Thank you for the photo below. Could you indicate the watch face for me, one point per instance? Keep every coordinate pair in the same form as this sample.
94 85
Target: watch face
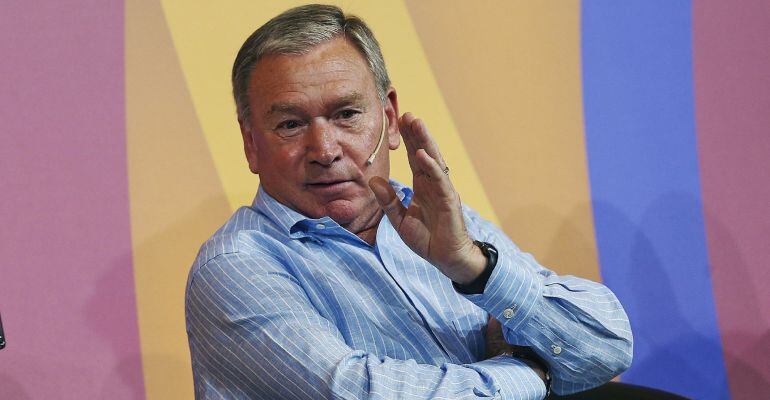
491 249
485 247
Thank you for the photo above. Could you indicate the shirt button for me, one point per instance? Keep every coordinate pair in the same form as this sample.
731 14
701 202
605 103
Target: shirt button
508 313
320 226
556 349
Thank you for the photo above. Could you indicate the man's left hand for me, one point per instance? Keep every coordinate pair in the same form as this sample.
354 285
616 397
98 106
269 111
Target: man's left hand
496 345
433 225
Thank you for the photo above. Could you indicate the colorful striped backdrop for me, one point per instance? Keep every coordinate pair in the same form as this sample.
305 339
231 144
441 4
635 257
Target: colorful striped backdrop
627 142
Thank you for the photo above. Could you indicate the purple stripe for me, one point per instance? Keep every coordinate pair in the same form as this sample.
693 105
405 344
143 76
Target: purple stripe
645 190
66 279
732 75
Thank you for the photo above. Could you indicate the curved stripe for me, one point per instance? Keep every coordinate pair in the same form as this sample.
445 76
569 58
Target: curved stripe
188 79
638 97
732 75
177 200
514 89
66 283
206 53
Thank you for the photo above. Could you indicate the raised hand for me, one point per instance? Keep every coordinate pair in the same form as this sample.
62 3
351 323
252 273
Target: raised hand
432 226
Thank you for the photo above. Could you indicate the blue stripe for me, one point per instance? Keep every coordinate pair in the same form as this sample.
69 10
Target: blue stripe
643 167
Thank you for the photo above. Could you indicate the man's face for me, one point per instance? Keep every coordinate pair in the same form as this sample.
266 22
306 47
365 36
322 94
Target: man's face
315 119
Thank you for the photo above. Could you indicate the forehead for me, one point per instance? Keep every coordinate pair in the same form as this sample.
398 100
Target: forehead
331 70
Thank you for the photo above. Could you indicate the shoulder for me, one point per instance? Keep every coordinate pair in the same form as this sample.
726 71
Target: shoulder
247 241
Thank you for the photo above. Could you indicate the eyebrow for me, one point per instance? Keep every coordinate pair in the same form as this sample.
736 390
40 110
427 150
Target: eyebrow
292 108
289 108
348 99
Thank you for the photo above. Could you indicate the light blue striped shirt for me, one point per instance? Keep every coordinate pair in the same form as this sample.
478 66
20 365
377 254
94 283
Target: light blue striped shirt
282 306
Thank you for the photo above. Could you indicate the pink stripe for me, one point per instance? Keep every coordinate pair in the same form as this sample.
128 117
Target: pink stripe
66 280
732 75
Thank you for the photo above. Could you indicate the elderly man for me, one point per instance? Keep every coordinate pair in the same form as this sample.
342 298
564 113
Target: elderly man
338 283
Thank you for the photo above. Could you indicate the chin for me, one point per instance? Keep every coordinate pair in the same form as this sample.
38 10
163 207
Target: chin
342 212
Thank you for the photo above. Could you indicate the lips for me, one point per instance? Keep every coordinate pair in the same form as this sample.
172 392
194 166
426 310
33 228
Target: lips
327 183
329 187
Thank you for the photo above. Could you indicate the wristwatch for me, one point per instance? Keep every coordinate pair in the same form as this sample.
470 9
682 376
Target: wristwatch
477 285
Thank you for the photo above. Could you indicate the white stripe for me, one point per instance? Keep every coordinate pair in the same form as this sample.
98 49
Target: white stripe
295 350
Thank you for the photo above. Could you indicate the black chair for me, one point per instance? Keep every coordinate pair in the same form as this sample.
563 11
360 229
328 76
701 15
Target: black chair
620 391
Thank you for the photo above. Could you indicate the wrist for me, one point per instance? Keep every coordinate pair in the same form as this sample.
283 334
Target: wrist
478 281
473 266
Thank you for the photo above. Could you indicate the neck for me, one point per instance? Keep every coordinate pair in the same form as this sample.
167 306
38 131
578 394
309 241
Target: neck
369 232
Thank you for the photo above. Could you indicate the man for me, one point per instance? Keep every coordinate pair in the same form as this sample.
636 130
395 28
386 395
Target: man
337 283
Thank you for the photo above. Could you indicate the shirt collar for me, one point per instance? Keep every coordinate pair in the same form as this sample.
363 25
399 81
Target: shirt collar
295 223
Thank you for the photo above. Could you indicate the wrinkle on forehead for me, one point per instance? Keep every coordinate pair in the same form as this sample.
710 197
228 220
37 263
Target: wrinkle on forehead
331 74
353 98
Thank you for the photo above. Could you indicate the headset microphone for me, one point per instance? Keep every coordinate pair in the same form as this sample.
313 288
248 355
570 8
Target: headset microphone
370 160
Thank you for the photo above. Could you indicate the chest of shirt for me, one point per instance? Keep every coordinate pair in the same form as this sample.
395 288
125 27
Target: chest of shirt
385 299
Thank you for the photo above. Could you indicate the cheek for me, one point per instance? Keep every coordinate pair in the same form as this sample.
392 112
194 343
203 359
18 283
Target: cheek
365 140
280 158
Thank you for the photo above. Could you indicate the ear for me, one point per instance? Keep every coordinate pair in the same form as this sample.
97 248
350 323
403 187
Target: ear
391 112
249 146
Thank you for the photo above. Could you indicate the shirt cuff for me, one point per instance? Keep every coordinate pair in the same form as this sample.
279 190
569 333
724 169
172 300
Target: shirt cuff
511 378
512 292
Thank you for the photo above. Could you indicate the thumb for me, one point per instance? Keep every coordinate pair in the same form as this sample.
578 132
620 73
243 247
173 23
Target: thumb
387 199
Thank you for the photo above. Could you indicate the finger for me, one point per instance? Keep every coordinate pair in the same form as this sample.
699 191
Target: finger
431 168
422 139
405 128
388 201
416 136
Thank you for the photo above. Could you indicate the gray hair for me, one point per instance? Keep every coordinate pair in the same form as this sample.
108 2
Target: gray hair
297 31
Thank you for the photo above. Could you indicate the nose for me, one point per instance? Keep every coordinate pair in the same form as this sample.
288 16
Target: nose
322 144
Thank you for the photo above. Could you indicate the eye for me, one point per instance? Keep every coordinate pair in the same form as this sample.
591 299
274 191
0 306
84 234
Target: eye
289 124
347 114
289 128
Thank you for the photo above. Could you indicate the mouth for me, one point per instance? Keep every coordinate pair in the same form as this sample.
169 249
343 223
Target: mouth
327 182
329 186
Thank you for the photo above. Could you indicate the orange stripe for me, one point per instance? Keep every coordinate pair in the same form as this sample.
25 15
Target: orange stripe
206 54
177 200
510 74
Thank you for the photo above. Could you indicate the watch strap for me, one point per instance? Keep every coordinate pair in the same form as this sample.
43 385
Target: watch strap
477 285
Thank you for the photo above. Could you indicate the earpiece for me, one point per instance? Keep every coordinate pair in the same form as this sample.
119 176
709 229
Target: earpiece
370 160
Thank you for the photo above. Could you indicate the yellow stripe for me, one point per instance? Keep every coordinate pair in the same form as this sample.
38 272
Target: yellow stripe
176 198
207 35
186 167
510 73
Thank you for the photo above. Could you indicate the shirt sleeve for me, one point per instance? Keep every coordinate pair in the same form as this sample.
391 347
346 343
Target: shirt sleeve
254 333
578 327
